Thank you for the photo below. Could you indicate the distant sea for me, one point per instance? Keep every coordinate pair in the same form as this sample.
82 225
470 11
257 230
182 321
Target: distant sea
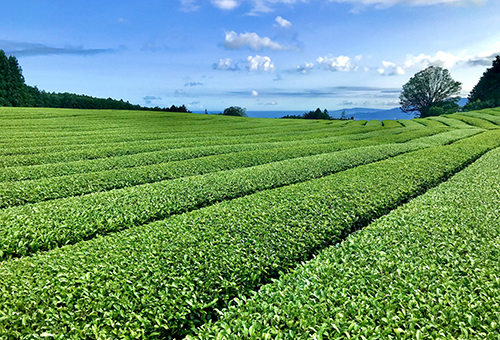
357 113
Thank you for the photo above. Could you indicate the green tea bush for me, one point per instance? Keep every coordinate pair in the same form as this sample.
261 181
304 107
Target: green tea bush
427 270
164 279
46 225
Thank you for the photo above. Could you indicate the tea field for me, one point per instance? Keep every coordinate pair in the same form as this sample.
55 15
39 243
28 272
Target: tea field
155 225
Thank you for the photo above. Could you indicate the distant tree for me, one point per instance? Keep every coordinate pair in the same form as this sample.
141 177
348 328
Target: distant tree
486 93
293 117
206 111
342 115
318 114
448 106
426 89
235 111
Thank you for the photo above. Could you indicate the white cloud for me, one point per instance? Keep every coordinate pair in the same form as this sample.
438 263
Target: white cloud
305 68
189 6
234 41
226 64
266 6
259 63
390 69
440 59
255 93
283 22
226 4
389 3
341 63
448 60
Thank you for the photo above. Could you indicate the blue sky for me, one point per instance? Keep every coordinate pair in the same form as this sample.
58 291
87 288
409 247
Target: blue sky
258 54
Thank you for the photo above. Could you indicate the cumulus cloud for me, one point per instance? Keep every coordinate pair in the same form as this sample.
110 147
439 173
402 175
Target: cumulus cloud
226 64
442 59
341 63
234 41
305 68
390 69
226 4
193 83
283 22
259 63
255 93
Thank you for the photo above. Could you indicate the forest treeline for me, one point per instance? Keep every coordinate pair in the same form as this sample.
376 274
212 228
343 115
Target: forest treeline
14 92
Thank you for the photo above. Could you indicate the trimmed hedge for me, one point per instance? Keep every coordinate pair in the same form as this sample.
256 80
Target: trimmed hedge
164 279
130 172
428 270
46 225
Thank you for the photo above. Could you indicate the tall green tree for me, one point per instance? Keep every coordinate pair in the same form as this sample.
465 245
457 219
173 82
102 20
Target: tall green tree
318 114
486 93
426 89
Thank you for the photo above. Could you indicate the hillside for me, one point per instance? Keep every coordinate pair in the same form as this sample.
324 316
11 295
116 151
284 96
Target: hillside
161 225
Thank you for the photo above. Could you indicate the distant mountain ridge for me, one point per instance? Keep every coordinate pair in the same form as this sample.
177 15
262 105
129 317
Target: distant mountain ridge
363 113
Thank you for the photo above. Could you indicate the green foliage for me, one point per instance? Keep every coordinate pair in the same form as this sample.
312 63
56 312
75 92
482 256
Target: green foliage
429 88
179 152
471 120
235 111
448 106
452 123
427 270
374 123
430 123
53 223
318 114
164 218
166 165
389 123
411 123
165 278
486 93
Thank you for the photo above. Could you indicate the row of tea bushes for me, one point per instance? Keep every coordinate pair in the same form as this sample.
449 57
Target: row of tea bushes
164 279
18 173
428 270
18 193
477 122
46 225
